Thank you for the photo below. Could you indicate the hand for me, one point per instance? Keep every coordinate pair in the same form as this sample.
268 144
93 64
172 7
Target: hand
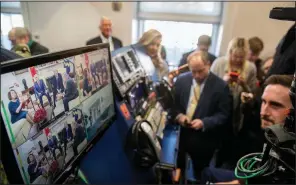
21 101
171 79
246 97
226 78
241 81
183 119
196 124
176 175
231 182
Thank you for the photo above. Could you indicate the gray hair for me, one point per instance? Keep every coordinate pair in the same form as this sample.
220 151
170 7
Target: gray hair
103 18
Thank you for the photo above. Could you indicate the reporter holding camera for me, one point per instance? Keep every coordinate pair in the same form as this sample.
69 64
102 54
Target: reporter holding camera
238 72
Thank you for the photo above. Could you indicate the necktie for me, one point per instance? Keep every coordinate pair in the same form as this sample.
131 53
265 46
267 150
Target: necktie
193 102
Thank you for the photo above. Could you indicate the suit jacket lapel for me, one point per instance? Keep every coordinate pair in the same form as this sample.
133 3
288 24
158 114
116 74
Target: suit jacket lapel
38 86
204 92
186 91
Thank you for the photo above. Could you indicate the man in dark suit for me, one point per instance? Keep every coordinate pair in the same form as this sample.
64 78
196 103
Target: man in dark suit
71 91
78 137
7 55
66 135
23 36
203 44
57 84
40 90
105 37
202 107
53 144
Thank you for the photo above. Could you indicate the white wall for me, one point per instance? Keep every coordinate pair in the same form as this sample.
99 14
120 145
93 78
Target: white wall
65 25
248 19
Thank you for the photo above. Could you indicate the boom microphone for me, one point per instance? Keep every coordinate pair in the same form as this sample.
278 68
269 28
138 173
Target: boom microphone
182 69
286 14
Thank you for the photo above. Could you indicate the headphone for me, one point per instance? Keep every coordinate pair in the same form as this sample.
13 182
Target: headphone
145 148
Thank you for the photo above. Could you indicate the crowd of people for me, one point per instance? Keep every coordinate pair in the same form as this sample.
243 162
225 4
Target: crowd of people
222 104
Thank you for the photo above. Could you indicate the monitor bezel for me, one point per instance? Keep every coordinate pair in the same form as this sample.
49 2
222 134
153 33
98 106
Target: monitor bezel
12 170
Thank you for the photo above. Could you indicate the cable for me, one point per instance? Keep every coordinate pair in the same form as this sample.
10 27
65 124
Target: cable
249 165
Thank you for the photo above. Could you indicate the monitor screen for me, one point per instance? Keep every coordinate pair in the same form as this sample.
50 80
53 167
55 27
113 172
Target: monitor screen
132 56
123 66
53 110
136 95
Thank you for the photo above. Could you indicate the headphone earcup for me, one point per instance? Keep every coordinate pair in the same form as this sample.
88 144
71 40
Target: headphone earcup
145 158
139 147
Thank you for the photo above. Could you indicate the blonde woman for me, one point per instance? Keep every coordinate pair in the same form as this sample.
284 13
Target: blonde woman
238 72
150 44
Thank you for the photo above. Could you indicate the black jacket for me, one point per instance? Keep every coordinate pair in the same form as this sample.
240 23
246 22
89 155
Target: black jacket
71 91
284 59
8 55
215 113
37 49
183 60
97 40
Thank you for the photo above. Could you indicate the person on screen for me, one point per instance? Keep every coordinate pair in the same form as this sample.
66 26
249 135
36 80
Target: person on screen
105 78
35 153
104 72
106 35
57 84
34 168
150 43
67 65
16 109
86 86
99 67
40 90
71 91
66 135
79 136
53 144
94 73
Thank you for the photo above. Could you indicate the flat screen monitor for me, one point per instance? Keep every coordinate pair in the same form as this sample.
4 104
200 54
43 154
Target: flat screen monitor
136 95
53 107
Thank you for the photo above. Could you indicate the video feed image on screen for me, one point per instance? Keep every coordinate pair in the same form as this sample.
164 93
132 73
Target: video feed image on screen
43 158
98 109
51 111
92 72
136 95
33 97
